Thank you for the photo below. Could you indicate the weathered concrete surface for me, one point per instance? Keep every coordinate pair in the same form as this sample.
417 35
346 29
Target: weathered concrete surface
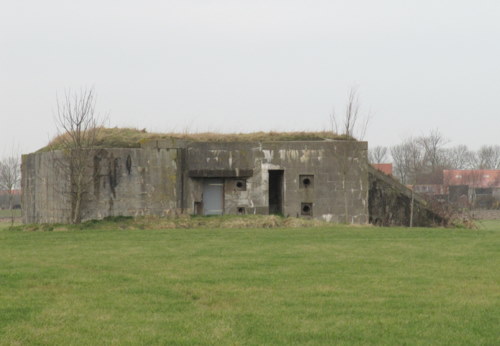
134 182
167 176
124 182
390 203
317 159
45 188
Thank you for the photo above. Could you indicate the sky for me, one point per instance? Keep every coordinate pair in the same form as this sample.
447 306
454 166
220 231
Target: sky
243 66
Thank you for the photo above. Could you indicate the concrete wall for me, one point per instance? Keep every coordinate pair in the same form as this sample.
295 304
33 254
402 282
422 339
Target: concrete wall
134 182
390 203
320 160
166 177
45 188
124 182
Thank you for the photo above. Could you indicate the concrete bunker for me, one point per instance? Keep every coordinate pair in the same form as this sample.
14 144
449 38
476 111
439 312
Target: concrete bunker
299 178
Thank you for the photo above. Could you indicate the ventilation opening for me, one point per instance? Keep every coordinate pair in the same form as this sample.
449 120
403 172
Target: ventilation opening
241 185
306 181
241 211
306 209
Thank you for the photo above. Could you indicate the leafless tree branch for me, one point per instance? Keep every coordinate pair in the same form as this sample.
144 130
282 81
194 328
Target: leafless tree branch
351 127
78 127
377 154
10 177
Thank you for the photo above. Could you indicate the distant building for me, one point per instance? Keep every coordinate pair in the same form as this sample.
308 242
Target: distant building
479 187
477 178
430 189
471 187
383 167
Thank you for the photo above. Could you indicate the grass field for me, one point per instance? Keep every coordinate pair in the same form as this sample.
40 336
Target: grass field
328 285
6 213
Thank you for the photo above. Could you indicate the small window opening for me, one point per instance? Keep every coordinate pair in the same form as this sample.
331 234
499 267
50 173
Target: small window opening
306 209
240 185
241 211
306 181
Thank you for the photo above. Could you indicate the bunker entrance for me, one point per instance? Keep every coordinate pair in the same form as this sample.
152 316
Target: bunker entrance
276 192
213 197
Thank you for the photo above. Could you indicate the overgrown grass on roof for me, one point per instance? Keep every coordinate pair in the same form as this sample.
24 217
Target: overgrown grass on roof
132 138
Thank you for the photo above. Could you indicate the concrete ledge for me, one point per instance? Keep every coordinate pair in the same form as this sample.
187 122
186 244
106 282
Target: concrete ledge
220 173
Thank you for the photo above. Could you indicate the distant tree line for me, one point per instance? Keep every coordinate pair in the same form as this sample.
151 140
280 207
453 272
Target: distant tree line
10 178
422 159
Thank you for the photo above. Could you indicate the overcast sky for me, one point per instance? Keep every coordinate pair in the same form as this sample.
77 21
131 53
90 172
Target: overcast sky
254 65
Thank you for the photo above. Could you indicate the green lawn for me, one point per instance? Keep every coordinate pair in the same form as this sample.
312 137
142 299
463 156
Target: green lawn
336 285
7 213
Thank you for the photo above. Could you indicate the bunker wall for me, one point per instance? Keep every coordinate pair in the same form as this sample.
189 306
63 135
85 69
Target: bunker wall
122 182
45 188
325 180
390 203
329 170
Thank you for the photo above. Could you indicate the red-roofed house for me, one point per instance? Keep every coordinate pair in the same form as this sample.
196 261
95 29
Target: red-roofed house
477 178
383 167
478 186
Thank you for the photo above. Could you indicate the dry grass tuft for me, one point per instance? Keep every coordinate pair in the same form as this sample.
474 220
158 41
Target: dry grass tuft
132 138
183 222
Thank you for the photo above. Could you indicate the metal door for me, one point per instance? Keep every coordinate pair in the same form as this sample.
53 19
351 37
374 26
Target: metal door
213 192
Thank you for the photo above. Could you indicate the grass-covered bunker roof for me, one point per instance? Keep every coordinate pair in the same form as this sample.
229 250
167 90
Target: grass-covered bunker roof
132 138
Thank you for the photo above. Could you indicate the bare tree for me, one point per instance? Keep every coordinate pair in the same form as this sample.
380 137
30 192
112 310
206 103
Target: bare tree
433 150
407 159
352 127
10 176
420 158
488 157
78 127
459 157
377 154
399 159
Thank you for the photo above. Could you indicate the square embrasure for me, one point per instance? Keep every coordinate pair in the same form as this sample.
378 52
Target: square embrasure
306 181
306 209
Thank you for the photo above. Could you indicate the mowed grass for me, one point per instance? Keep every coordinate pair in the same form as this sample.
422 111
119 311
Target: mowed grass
330 285
7 213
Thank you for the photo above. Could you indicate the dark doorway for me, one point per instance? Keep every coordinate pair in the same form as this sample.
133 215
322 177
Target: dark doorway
276 192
